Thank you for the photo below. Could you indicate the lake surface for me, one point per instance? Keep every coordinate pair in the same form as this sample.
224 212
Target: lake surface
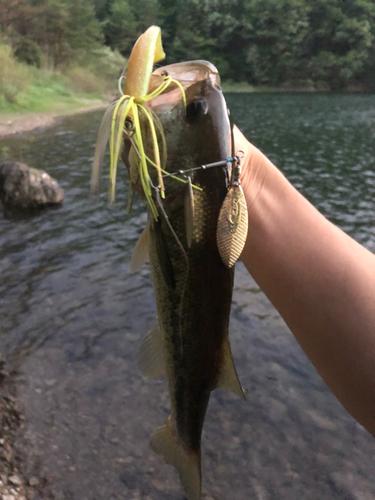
72 319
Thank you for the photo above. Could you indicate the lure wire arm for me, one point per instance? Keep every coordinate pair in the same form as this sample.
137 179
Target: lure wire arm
234 160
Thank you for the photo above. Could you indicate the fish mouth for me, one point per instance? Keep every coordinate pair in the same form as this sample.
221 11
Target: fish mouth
171 99
187 74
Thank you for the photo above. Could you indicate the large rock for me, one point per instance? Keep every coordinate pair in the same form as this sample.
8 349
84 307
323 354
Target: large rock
24 187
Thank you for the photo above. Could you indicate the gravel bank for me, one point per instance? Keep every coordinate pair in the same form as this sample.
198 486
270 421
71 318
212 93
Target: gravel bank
13 486
19 123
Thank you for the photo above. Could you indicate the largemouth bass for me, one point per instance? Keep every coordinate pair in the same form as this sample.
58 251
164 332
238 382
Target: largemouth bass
172 122
193 287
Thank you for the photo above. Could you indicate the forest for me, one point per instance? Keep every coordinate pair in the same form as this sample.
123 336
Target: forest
260 42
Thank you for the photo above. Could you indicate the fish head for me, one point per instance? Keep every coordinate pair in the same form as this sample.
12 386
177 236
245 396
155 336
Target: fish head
191 136
194 136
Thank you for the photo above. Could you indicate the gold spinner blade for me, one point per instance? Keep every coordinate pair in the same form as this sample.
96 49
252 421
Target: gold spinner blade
232 224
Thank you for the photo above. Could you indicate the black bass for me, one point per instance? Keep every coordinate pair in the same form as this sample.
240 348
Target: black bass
193 287
171 122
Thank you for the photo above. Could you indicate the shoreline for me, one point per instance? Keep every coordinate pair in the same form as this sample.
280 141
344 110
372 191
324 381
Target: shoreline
19 123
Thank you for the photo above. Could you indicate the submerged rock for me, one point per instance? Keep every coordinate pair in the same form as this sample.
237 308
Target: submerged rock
24 187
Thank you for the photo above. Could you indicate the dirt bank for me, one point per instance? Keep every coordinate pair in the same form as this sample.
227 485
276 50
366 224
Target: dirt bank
18 123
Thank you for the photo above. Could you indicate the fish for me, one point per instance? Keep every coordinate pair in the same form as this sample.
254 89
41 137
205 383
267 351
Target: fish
169 123
193 287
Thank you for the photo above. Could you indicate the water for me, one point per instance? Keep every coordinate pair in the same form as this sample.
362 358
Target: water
72 318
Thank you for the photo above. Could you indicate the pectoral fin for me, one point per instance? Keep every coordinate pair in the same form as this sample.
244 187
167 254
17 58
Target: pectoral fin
228 378
140 252
165 442
150 355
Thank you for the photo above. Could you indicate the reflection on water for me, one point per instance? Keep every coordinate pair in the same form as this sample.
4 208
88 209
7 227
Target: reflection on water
72 319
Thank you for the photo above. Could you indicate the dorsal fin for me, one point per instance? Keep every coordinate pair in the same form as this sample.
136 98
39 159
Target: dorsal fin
228 378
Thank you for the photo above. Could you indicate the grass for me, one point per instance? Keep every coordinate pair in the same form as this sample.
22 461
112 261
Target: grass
26 89
46 93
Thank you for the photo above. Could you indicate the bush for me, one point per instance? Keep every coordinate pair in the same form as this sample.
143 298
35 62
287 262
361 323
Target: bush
98 74
109 65
82 80
28 52
14 77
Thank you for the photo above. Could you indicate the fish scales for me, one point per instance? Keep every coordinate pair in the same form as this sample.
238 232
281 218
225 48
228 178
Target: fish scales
194 316
193 287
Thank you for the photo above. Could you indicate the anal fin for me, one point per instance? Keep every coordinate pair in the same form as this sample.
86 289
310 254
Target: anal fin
228 378
151 355
165 442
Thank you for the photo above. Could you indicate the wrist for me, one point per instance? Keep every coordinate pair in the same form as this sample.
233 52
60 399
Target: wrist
256 169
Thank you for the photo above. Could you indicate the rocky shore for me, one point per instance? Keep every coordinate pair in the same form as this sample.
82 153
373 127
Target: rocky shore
13 486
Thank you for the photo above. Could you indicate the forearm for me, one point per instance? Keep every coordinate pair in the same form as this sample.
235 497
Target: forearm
320 280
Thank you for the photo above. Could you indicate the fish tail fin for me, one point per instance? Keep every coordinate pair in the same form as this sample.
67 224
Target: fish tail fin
165 443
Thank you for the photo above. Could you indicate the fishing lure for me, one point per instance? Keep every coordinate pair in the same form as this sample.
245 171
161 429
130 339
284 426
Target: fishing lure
130 117
232 224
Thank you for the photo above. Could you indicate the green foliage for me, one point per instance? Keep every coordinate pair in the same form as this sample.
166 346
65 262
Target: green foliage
82 80
14 77
120 27
29 52
65 30
99 75
276 36
262 42
47 91
108 64
68 29
125 20
342 40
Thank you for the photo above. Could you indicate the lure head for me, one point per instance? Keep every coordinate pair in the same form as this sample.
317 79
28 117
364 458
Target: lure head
147 51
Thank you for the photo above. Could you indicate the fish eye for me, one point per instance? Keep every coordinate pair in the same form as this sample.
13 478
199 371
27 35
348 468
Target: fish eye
195 108
129 124
129 127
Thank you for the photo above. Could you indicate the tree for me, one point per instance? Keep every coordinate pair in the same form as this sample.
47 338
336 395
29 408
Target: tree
125 20
276 32
342 40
